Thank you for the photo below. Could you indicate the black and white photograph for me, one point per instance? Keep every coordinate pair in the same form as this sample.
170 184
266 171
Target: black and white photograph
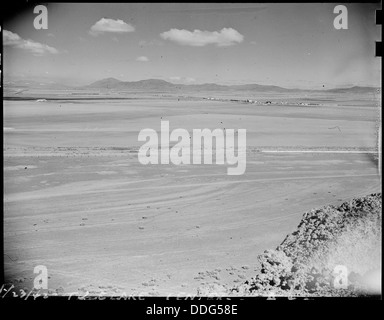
192 150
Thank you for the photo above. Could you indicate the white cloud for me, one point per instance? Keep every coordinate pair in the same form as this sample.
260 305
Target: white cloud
142 59
37 49
197 38
110 25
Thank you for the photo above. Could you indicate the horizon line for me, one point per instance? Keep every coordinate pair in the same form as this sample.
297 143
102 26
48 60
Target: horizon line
316 87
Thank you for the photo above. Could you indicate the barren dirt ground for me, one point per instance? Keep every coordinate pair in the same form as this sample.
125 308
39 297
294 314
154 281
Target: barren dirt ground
102 222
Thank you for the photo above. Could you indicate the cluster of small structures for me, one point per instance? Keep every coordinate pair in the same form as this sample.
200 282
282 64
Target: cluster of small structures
182 97
267 102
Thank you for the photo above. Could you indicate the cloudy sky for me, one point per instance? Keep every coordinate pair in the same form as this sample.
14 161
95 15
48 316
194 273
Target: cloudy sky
291 45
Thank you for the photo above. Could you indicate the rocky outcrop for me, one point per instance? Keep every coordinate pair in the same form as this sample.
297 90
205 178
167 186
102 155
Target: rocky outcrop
335 251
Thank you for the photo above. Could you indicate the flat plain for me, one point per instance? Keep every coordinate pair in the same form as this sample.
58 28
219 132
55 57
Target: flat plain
77 200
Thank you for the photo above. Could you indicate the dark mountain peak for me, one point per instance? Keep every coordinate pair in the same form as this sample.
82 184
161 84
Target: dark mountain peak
107 82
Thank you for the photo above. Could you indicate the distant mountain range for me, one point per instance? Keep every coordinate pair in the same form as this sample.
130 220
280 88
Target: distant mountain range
355 89
162 85
156 85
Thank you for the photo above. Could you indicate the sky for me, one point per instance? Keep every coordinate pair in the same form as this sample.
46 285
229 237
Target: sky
289 45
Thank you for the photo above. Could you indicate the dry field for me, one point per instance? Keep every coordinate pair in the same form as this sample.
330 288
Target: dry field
78 201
